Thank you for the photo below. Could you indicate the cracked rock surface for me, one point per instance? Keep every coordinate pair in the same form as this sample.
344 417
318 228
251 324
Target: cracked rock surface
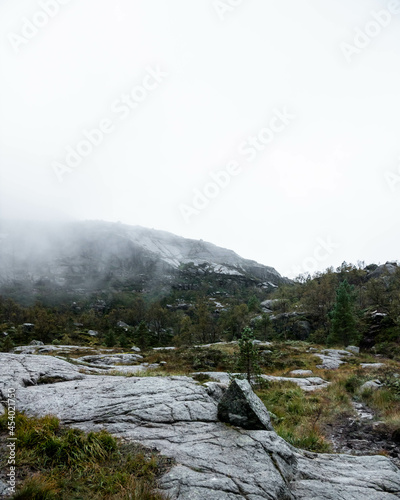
104 359
307 384
332 358
179 418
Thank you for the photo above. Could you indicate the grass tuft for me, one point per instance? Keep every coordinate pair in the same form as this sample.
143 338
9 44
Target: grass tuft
57 462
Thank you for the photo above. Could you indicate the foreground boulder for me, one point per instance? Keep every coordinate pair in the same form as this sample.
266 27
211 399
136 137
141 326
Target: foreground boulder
178 417
240 406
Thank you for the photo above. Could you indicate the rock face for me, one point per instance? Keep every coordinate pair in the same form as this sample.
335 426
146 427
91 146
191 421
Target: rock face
80 255
178 416
332 358
372 385
372 365
240 406
3 488
114 359
354 349
45 349
301 373
307 384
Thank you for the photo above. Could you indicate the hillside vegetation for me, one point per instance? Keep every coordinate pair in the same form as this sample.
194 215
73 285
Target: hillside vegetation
357 305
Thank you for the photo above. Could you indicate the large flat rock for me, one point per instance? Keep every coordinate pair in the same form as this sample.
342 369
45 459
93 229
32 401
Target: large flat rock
178 416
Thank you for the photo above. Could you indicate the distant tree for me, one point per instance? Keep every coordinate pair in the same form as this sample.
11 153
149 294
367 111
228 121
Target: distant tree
203 324
123 341
109 339
343 329
253 304
184 332
157 317
6 345
318 298
249 357
233 321
377 294
263 327
142 335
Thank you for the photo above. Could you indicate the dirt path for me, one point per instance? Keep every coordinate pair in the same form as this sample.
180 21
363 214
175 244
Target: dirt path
360 434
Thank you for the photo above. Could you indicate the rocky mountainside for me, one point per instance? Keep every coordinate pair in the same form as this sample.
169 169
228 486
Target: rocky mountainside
100 255
180 418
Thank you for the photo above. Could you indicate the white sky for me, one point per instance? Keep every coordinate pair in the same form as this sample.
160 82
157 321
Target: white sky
323 176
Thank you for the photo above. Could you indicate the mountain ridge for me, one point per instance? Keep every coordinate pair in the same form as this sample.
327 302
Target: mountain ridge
95 254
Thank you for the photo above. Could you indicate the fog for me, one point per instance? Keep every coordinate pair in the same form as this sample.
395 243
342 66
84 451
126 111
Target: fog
267 127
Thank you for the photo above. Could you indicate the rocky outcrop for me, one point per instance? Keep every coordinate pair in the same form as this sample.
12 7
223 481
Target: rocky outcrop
18 371
179 417
112 359
242 407
387 269
372 385
301 373
332 358
372 366
354 349
3 488
307 384
377 322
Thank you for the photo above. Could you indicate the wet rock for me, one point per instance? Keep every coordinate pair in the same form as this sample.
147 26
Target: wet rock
38 349
302 373
371 385
216 390
316 485
122 324
396 436
178 417
332 358
240 406
270 304
25 370
114 359
389 268
4 490
354 349
307 384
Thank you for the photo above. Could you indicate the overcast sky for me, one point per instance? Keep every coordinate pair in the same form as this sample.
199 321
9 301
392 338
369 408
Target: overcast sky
270 127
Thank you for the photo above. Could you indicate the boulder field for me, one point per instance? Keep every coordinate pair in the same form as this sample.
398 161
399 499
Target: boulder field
179 417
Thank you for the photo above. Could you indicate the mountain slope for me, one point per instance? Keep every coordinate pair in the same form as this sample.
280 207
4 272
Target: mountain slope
96 255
